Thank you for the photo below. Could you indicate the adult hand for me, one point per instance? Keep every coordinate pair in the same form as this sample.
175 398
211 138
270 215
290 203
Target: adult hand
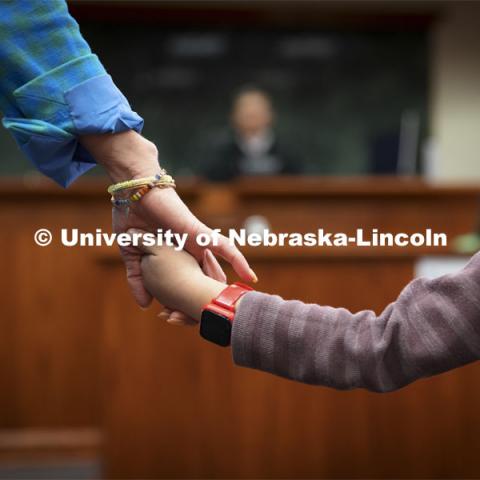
127 156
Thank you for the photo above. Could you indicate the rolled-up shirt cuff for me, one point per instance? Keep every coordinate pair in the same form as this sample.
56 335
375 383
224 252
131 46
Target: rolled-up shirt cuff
77 98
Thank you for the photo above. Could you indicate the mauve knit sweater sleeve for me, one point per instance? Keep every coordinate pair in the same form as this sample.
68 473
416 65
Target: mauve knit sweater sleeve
432 327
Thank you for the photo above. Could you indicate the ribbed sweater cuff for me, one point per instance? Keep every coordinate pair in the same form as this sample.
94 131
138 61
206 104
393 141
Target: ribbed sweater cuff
253 331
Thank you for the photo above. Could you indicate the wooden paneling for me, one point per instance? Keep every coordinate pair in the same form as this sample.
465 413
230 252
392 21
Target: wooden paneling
51 302
50 320
76 352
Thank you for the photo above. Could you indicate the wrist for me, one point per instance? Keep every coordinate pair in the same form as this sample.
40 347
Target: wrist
209 290
125 155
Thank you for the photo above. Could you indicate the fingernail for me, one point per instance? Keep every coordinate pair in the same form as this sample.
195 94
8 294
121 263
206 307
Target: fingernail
176 323
254 276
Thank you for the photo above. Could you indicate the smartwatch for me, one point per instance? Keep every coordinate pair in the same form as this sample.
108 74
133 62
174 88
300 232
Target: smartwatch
217 316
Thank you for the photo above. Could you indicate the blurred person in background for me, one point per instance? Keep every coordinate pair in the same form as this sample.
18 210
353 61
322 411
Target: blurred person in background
252 146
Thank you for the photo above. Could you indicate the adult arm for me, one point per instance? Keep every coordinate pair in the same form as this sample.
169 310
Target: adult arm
66 114
432 327
53 89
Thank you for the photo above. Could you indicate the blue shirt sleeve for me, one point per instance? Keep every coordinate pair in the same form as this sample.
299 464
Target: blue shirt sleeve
54 89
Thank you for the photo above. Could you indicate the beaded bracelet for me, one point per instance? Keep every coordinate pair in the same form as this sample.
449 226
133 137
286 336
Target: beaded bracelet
160 181
138 182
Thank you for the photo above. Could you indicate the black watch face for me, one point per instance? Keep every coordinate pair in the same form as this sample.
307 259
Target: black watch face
215 328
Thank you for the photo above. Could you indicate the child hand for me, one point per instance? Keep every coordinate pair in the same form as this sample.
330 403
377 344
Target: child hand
210 267
177 281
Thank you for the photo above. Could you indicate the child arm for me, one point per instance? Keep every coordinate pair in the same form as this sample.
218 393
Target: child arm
432 327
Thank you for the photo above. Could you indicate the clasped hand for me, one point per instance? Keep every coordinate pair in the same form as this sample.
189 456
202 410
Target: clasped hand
128 156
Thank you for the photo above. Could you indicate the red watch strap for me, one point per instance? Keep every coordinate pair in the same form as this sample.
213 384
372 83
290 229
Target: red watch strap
227 297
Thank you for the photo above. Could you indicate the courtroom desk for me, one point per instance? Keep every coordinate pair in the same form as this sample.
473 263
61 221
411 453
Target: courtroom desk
303 204
75 352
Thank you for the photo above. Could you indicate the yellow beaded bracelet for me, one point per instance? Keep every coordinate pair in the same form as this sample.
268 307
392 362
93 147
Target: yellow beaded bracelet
164 181
138 182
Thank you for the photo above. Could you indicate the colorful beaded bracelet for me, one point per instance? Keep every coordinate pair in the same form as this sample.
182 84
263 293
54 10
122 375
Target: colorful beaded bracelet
163 181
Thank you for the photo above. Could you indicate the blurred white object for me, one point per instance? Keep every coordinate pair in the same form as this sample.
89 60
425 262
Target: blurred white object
431 160
433 267
256 224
